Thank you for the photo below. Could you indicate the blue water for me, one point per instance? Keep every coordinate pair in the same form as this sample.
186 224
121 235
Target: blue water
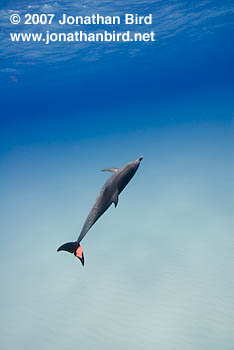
159 267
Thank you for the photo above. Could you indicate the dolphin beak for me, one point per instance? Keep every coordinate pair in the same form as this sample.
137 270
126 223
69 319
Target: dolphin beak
140 158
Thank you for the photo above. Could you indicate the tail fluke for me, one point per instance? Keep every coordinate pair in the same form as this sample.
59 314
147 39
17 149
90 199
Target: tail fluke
69 247
73 247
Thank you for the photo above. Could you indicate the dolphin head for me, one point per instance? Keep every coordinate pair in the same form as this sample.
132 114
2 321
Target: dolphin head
139 159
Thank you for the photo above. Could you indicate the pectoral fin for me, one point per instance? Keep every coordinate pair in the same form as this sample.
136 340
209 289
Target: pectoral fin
115 198
110 169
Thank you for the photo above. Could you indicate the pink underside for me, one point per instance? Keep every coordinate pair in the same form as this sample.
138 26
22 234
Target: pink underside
79 252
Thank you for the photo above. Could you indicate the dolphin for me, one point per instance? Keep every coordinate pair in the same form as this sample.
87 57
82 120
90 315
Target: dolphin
109 194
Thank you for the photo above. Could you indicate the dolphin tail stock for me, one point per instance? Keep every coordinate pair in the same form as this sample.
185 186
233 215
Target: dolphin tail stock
75 248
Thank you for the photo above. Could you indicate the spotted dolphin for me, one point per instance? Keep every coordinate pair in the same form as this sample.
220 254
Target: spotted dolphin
109 194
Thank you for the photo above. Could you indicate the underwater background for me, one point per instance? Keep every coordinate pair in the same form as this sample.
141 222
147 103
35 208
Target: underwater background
158 269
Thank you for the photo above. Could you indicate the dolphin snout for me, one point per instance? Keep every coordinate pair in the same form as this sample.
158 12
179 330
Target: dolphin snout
140 158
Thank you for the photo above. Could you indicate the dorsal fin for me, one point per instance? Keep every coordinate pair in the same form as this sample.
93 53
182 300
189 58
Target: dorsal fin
113 170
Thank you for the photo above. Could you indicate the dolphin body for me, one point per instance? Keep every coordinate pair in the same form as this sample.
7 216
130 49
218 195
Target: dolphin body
109 194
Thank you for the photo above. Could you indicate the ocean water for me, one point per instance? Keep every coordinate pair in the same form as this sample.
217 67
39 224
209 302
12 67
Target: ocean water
158 268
